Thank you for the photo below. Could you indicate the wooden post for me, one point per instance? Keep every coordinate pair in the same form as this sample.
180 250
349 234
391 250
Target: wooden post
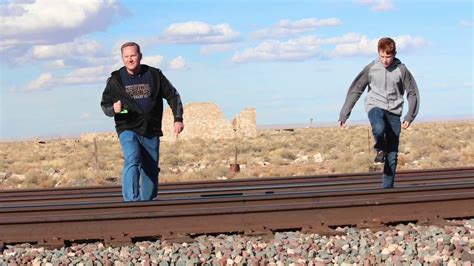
96 154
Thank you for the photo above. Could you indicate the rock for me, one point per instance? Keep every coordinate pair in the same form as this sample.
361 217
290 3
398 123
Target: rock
318 158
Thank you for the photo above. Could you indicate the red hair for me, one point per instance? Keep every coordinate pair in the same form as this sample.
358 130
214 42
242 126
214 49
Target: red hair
387 45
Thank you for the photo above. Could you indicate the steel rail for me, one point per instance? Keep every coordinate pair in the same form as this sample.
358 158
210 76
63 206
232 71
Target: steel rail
230 191
227 188
242 182
17 212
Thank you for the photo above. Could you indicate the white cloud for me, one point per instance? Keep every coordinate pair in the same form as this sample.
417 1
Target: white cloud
408 43
346 38
11 10
304 48
42 22
469 84
285 28
71 54
196 32
155 60
465 23
92 75
177 63
85 75
160 62
85 116
365 46
295 49
216 48
42 82
80 76
378 5
78 48
58 63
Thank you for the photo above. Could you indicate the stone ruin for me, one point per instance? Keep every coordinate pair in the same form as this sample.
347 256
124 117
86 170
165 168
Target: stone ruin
206 121
201 120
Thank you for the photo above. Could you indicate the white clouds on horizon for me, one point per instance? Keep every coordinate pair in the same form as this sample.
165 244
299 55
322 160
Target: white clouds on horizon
308 47
286 28
378 5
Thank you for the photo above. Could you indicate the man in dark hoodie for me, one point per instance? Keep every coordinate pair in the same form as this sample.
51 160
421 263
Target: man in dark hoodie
387 80
134 97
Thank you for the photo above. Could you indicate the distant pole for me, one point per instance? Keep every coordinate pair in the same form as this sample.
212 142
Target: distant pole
311 122
96 154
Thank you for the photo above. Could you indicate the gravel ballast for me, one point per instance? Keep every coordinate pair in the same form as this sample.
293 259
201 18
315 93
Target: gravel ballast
402 244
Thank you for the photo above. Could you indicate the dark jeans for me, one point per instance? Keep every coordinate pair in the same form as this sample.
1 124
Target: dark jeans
140 169
386 129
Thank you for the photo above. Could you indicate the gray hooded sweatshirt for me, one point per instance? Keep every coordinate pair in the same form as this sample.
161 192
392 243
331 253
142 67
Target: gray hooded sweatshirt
386 87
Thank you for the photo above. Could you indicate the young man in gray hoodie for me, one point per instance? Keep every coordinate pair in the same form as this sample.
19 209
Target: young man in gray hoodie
387 80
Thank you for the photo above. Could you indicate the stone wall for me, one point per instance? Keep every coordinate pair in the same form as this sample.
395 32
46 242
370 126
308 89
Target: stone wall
201 120
206 120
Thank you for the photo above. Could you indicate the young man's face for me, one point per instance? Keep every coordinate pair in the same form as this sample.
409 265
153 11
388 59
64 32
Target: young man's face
131 59
386 58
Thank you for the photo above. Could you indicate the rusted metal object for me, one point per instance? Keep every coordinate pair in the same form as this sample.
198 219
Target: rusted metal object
231 187
247 181
234 167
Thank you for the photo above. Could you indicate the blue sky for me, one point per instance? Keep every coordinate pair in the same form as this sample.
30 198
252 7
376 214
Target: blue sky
291 60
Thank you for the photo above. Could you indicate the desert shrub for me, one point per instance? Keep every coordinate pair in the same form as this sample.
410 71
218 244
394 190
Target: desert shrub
40 180
286 154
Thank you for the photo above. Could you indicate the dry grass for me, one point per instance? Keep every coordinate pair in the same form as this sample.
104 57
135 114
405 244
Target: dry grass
31 164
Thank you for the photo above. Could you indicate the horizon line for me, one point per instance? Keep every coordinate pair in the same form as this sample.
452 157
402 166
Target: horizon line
275 126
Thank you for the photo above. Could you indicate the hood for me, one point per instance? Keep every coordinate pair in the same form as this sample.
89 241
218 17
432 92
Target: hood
394 64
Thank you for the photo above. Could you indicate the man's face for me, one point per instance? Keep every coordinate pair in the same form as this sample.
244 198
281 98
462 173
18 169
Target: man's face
386 58
131 59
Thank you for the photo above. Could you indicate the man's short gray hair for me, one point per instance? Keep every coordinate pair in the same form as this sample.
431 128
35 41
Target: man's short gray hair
127 44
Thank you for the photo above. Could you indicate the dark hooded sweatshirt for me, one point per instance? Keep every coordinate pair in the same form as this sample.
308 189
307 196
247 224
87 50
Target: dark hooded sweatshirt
143 122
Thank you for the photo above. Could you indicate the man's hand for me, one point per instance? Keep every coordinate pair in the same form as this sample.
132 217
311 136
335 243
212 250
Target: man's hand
342 124
117 106
406 124
178 127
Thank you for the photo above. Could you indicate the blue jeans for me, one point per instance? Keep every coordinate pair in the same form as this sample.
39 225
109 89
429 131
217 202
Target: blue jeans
140 169
386 129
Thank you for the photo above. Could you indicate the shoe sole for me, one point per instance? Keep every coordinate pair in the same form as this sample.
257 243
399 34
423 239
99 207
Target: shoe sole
378 163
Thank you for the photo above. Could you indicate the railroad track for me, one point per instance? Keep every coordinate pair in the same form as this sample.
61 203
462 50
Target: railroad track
54 217
233 187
